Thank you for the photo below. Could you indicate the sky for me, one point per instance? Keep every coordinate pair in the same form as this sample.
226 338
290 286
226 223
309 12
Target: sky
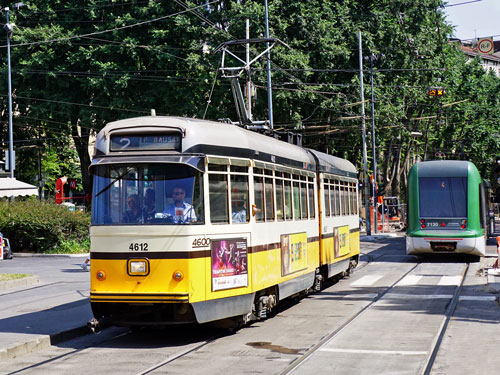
475 19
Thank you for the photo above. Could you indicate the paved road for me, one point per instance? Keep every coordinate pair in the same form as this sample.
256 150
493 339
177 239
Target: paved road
394 333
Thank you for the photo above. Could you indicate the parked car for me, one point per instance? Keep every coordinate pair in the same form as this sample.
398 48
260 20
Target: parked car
7 252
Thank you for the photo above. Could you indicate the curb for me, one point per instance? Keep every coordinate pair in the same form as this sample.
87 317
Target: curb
42 342
18 283
27 255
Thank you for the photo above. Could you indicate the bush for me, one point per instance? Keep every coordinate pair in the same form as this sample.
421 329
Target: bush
34 226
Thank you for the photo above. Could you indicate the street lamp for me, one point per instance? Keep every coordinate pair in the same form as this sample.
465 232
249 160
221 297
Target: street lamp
9 28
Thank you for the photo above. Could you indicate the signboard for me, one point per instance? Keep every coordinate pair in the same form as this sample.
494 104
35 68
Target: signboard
485 46
436 91
293 253
161 142
341 241
72 183
229 263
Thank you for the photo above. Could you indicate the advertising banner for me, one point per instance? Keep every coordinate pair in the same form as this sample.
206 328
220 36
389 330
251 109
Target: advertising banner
293 253
229 263
341 240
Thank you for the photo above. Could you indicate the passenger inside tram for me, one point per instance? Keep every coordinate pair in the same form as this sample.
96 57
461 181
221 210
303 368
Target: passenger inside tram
149 205
133 213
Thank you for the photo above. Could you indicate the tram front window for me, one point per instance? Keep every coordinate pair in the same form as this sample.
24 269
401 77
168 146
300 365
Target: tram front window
169 194
442 196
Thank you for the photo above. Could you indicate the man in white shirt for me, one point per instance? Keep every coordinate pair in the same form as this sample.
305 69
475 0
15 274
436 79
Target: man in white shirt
181 212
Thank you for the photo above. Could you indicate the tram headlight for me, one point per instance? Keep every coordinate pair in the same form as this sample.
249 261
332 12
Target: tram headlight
177 275
138 267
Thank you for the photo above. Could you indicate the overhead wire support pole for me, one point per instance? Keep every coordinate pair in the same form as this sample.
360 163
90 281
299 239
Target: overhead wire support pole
374 151
269 93
11 135
363 131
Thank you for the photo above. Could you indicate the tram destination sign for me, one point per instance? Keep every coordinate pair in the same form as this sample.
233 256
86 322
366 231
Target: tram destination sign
162 142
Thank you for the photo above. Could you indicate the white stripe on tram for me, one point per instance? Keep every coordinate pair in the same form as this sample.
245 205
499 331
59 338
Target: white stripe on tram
362 351
367 280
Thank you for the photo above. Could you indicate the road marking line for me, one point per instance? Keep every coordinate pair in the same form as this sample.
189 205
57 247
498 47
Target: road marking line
409 280
477 298
450 280
361 351
367 280
418 296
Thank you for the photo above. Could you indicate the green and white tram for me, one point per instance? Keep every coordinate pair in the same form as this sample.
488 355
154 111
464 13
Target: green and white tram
447 208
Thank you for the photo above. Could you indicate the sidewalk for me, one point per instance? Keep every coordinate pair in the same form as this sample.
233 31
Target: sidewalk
44 309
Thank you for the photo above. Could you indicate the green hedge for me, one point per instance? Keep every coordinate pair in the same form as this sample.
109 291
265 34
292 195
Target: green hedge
34 226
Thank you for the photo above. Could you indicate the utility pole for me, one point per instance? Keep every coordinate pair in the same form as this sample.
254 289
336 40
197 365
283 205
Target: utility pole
269 94
363 130
9 28
372 56
249 82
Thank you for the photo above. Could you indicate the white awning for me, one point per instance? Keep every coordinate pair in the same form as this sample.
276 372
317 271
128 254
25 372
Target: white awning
11 187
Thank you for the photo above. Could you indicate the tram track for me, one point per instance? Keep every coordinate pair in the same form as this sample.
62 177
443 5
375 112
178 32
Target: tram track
444 325
426 368
298 361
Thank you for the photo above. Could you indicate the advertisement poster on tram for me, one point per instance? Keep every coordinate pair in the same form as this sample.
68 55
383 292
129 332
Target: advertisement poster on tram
229 263
341 240
293 253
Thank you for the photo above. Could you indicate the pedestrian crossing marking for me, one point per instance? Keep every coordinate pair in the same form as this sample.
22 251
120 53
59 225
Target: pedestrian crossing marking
367 280
410 280
450 280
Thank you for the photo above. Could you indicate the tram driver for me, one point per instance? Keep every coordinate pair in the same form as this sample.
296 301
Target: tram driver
180 211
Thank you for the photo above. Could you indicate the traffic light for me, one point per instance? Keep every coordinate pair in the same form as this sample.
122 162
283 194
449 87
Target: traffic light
436 91
380 189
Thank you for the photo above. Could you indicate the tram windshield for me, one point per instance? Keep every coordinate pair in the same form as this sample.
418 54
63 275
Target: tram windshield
138 194
443 196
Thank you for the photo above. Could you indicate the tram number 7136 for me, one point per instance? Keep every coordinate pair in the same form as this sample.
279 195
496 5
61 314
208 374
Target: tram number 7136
138 246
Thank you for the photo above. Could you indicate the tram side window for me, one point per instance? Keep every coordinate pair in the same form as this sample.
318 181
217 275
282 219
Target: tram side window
311 201
259 198
269 197
337 198
296 200
332 197
303 201
239 199
288 199
327 199
280 214
218 198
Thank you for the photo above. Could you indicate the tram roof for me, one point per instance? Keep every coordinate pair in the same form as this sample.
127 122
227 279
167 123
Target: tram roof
222 139
444 168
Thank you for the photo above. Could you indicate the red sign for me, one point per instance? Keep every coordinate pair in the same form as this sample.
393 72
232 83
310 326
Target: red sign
72 183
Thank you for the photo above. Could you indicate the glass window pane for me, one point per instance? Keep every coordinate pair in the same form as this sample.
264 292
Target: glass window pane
337 198
217 188
442 196
311 201
303 201
259 198
269 195
279 200
238 169
288 199
142 194
239 199
217 167
296 201
327 200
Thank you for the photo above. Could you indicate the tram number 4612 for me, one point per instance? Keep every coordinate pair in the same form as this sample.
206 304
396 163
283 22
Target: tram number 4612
138 246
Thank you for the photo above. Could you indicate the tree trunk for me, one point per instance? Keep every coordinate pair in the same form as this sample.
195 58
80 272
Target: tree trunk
82 147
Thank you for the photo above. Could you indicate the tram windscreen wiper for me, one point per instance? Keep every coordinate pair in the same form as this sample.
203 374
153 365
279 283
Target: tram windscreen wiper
112 182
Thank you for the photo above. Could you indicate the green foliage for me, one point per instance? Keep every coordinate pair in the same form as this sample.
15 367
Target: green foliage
33 226
68 89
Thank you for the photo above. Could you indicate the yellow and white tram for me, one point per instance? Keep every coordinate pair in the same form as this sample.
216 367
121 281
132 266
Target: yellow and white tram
203 221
